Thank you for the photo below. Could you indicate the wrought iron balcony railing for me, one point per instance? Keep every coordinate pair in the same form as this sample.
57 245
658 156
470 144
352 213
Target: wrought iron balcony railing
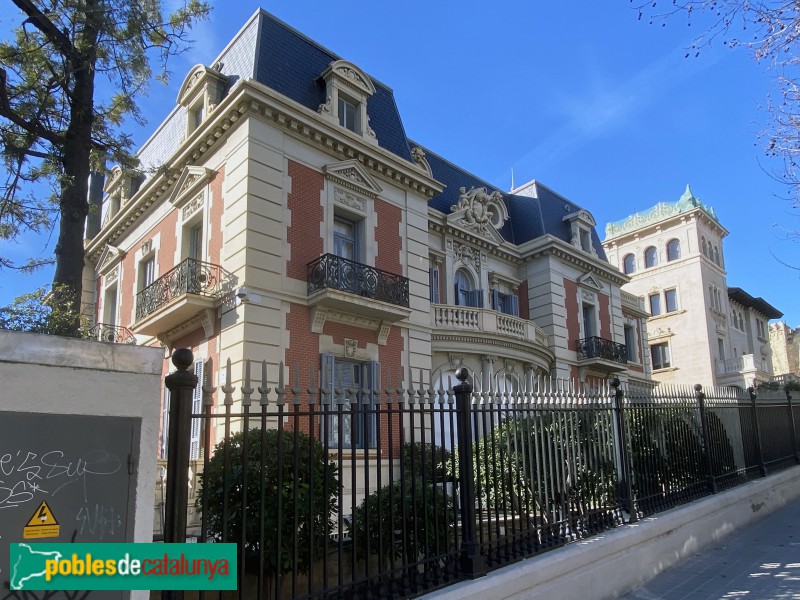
188 277
104 332
335 272
597 347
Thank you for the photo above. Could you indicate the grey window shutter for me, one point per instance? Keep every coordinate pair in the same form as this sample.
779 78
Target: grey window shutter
433 282
496 304
513 305
327 387
197 407
373 385
476 298
165 423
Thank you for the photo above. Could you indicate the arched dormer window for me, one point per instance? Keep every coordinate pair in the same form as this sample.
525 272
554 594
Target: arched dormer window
650 257
629 264
347 90
673 249
200 93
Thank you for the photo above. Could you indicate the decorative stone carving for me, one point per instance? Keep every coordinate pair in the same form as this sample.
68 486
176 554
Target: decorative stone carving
348 199
467 255
383 334
112 276
350 174
660 332
350 348
147 247
479 211
192 207
455 360
418 155
326 107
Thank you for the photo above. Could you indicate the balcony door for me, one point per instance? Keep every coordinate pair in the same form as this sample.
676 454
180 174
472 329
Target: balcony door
589 321
345 239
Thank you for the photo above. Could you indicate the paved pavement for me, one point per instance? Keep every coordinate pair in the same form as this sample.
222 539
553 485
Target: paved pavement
758 562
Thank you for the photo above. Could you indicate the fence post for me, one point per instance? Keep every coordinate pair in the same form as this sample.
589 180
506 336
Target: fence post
701 403
762 467
791 424
180 384
626 484
472 563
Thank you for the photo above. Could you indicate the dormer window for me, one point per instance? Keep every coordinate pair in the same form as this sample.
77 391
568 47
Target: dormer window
347 91
200 93
581 224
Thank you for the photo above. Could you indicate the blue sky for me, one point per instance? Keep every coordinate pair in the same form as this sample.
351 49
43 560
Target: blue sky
582 96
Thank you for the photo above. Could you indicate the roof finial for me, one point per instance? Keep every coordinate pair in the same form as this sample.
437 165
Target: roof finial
512 180
687 195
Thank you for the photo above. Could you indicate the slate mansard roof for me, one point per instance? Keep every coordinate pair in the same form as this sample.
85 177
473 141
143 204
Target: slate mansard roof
291 64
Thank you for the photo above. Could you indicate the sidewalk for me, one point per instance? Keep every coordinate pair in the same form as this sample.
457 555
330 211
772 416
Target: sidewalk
758 562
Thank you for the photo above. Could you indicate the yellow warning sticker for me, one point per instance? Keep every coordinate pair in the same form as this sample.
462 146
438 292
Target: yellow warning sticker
42 524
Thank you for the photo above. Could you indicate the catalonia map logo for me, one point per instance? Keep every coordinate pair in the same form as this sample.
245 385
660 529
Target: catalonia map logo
42 566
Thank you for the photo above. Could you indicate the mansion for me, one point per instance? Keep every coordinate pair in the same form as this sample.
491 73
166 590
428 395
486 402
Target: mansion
281 214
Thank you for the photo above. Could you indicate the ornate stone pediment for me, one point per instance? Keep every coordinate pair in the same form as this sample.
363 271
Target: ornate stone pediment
189 184
589 280
480 212
351 174
351 76
109 258
418 154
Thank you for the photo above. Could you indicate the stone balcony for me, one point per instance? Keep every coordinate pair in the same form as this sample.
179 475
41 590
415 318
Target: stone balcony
747 367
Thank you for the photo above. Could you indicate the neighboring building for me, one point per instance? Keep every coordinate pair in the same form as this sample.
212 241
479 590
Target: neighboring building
281 214
699 329
785 344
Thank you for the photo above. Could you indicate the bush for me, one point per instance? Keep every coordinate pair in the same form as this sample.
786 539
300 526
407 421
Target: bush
307 500
435 462
404 520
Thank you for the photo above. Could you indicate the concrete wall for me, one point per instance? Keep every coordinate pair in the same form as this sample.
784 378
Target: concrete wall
611 564
53 375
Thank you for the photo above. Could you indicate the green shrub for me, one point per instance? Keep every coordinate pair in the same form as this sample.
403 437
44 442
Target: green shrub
307 500
404 520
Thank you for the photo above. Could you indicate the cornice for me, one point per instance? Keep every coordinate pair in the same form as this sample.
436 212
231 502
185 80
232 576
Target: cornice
437 224
547 245
251 98
478 341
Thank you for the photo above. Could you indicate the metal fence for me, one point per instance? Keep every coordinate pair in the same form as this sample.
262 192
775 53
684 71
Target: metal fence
334 490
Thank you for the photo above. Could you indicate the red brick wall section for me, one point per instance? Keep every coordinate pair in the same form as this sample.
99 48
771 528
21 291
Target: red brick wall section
522 292
387 237
605 316
391 427
215 218
307 214
573 312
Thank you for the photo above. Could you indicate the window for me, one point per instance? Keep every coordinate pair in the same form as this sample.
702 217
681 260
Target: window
433 283
348 111
705 247
655 304
147 271
671 300
586 240
716 255
721 348
110 306
464 294
650 257
345 238
673 250
352 418
505 303
660 355
630 343
629 264
195 248
589 321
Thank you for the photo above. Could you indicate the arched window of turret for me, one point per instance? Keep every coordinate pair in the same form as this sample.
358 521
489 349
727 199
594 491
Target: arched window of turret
703 245
673 249
629 264
650 257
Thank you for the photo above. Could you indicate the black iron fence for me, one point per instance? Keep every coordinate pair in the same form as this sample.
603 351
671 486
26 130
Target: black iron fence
387 491
335 272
